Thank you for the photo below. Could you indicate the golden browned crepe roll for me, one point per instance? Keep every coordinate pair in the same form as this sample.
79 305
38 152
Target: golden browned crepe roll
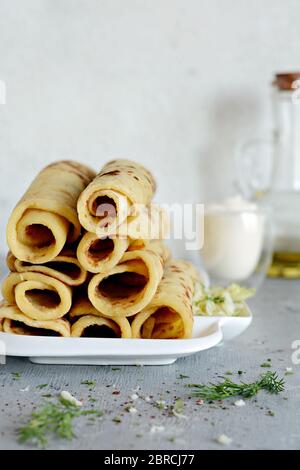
120 185
131 285
65 267
169 315
149 223
92 323
15 322
99 255
38 296
91 326
46 216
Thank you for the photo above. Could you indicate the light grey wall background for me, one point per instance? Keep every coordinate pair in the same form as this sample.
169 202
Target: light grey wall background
172 83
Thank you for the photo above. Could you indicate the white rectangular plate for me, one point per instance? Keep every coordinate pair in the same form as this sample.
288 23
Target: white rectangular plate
208 332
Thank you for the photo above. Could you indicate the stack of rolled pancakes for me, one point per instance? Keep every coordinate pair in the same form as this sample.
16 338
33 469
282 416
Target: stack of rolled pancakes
73 274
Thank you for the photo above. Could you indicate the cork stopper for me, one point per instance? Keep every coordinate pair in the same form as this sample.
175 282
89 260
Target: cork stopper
286 81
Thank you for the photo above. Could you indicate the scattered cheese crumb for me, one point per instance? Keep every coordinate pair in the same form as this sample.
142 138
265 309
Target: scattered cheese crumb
239 403
147 399
224 440
134 396
25 389
132 410
156 429
289 369
68 397
179 415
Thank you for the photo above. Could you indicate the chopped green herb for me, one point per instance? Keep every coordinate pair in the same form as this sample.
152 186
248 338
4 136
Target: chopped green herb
160 404
270 413
115 368
53 418
218 391
117 419
47 395
89 383
289 372
265 364
216 299
240 372
182 376
228 372
16 375
40 387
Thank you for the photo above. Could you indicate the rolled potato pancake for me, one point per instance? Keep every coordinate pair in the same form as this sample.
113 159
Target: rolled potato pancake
46 216
91 322
91 326
65 267
15 322
111 195
169 315
38 296
149 223
131 285
98 255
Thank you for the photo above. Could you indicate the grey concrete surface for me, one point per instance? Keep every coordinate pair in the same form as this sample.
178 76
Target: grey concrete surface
267 422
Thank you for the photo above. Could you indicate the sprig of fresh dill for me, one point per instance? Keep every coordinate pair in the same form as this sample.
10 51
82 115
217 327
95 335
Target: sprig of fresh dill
56 418
218 391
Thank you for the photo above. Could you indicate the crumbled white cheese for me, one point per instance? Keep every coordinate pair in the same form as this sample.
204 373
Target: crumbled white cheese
224 440
68 397
289 369
134 396
155 429
25 389
239 403
136 389
132 410
179 415
147 399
